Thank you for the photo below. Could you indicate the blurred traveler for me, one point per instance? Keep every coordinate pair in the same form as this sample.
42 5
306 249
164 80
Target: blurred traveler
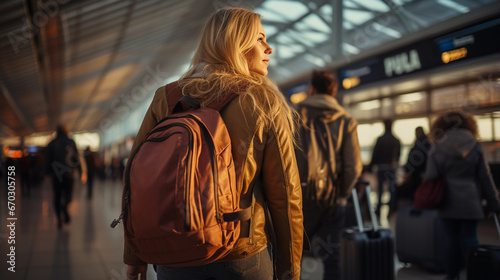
458 156
61 160
329 163
114 168
2 165
385 159
25 169
233 56
91 162
415 166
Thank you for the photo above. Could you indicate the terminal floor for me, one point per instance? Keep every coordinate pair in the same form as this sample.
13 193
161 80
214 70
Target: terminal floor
88 249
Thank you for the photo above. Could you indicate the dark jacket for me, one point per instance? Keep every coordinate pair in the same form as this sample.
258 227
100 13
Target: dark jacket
417 157
386 152
414 168
345 137
263 154
459 157
61 157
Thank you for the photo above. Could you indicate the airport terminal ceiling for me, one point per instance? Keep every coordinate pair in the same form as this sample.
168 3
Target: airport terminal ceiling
87 63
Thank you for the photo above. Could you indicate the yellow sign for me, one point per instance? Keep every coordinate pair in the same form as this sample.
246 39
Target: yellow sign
452 55
351 82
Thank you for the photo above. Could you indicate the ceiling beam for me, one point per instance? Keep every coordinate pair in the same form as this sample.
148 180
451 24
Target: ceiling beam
12 103
36 45
109 66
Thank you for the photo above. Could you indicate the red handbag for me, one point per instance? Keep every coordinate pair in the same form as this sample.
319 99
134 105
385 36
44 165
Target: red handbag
429 194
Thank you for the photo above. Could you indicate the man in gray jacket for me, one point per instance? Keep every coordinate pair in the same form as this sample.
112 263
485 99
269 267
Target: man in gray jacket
329 164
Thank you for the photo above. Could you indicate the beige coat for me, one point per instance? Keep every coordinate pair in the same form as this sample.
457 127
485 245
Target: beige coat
259 153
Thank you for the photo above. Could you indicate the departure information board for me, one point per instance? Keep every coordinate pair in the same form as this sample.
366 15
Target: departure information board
464 44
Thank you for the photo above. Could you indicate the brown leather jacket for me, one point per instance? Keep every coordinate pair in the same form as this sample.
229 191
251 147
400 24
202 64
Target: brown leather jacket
264 155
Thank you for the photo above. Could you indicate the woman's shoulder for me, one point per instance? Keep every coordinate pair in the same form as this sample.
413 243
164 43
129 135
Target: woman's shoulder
240 110
165 98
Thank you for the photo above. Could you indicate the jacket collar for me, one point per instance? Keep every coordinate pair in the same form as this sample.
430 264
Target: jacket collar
323 105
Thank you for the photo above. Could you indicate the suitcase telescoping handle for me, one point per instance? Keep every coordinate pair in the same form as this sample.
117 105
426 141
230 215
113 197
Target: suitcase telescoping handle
496 222
370 207
357 211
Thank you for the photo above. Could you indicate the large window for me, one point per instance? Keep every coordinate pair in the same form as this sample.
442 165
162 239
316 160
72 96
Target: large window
484 92
367 110
485 127
368 134
403 129
415 109
410 103
448 97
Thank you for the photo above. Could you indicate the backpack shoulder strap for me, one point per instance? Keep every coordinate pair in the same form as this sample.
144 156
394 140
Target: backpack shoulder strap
174 94
178 102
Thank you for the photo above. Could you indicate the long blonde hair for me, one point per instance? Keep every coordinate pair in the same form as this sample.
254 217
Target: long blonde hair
219 65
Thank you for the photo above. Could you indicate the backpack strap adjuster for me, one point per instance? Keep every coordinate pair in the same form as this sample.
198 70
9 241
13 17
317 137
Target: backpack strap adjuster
241 215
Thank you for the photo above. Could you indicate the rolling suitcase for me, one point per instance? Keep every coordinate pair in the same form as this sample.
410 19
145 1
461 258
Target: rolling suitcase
483 261
420 238
366 253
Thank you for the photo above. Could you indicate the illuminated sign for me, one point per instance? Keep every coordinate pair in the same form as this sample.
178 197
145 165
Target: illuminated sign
298 97
464 44
348 83
453 55
296 88
402 63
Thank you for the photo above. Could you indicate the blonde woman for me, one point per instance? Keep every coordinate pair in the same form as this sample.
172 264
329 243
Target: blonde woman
233 56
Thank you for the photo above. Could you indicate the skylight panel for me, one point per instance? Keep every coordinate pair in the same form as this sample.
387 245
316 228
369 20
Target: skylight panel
326 11
288 45
284 38
318 61
357 17
308 39
270 29
350 49
347 25
270 15
286 51
288 10
313 22
297 48
454 5
289 50
312 38
349 4
378 6
386 30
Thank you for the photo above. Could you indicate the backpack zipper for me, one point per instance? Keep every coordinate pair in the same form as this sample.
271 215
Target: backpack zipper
126 205
187 180
211 149
215 175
